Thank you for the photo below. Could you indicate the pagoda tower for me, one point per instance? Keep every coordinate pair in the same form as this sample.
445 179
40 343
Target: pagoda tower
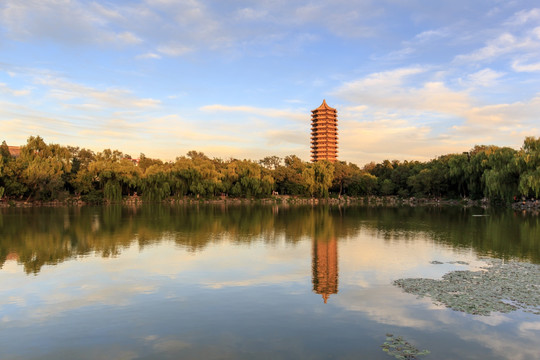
324 138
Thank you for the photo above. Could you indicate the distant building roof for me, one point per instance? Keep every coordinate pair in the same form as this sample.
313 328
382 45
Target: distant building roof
15 151
12 256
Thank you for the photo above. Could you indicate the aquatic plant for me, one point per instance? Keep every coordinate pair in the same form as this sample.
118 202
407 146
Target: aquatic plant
499 286
400 348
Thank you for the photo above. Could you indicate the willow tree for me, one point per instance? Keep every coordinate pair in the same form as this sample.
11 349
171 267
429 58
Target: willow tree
501 179
196 174
156 183
528 162
248 179
478 163
112 174
4 158
457 167
318 178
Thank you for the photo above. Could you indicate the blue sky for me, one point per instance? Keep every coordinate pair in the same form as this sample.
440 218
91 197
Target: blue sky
410 79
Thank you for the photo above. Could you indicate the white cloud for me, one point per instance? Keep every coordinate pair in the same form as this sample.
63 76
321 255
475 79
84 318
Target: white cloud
381 81
174 49
353 109
160 23
264 112
429 35
511 42
294 101
386 138
66 21
251 14
127 37
520 114
401 119
279 137
113 98
485 77
19 122
149 55
519 66
524 16
503 44
192 21
4 88
390 90
396 55
423 41
105 11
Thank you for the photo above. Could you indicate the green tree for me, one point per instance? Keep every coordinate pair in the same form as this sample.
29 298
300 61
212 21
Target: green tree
270 162
457 172
387 187
528 162
343 175
155 184
288 177
400 175
310 182
12 179
363 183
318 178
146 162
111 173
196 175
251 180
502 178
478 164
4 158
44 168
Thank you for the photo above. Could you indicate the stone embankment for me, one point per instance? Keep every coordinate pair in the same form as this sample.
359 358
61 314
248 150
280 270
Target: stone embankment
382 201
527 205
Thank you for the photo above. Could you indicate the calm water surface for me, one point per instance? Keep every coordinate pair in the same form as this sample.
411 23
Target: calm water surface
238 282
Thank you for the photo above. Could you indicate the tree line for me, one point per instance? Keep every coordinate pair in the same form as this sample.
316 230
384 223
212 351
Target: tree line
47 172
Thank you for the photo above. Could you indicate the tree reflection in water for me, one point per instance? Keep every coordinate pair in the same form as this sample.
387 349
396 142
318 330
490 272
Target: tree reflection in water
46 236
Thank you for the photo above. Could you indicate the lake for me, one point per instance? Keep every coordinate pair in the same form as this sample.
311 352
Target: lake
252 282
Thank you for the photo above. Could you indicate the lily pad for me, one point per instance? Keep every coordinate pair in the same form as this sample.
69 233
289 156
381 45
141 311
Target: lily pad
500 286
400 348
459 262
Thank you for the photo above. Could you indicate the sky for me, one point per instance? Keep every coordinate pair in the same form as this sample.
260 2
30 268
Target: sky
411 80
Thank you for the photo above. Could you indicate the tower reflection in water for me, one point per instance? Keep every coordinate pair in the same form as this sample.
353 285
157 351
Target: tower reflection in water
325 267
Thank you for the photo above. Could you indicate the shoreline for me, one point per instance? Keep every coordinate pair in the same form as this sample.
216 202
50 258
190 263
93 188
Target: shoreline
375 201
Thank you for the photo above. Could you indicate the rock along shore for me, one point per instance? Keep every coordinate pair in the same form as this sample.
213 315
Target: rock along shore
383 201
